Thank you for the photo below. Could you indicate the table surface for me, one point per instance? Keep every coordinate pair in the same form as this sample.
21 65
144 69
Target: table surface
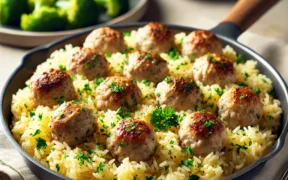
188 12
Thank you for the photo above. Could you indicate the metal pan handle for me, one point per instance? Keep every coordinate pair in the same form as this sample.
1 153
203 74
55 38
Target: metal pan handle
242 16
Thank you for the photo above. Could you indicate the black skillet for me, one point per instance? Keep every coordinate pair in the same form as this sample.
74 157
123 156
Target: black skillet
243 15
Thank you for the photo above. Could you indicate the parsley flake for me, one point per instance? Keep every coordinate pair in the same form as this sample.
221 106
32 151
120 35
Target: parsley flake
116 88
82 157
209 123
62 67
168 79
41 144
38 131
145 82
122 114
100 168
188 151
164 118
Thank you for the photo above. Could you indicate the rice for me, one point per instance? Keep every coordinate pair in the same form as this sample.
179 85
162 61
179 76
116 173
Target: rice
91 160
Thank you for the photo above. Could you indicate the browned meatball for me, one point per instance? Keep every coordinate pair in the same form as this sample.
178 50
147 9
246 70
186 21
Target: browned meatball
105 40
154 37
72 123
116 92
214 69
143 65
52 86
132 138
180 93
240 107
200 42
88 63
203 132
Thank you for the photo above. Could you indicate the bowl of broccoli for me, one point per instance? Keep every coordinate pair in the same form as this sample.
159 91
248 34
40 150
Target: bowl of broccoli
29 23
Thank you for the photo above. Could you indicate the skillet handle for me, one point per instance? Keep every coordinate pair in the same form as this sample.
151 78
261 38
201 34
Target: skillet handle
242 16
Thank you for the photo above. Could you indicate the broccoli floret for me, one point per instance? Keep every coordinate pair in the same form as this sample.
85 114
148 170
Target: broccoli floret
114 7
80 13
11 10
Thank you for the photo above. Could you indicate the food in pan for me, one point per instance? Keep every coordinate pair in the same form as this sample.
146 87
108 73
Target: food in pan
146 107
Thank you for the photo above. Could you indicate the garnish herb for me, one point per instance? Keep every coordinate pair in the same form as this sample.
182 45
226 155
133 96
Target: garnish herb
57 167
116 88
163 118
149 177
60 100
82 157
98 81
100 168
187 163
194 177
38 131
219 91
146 82
87 87
209 123
173 53
32 114
126 34
188 151
41 144
62 67
123 114
240 59
40 116
168 79
242 96
62 116
256 90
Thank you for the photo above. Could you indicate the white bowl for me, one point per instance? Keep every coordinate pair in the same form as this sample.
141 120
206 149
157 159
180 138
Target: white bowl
17 37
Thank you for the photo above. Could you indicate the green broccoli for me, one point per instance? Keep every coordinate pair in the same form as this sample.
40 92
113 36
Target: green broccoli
114 7
44 17
80 13
11 10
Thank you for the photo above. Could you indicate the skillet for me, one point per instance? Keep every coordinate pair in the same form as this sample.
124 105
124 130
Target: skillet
227 31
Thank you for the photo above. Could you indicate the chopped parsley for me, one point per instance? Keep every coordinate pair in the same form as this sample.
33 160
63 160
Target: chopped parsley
91 151
240 59
219 91
173 53
242 96
62 67
149 177
87 64
171 142
241 84
122 144
40 116
122 114
95 57
98 81
57 167
126 34
87 87
166 167
82 157
100 168
246 76
209 123
60 100
256 90
188 151
83 109
145 82
66 156
212 59
194 177
32 114
116 88
241 147
38 131
164 118
28 85
158 94
187 163
41 144
168 79
62 116
108 55
250 142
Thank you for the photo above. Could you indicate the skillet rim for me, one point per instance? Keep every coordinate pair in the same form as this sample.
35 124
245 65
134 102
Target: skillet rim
279 142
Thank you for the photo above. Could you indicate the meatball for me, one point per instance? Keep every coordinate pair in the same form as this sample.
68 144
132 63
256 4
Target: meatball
214 69
180 93
88 63
52 86
132 138
72 123
154 37
240 107
200 42
116 92
203 132
143 65
105 40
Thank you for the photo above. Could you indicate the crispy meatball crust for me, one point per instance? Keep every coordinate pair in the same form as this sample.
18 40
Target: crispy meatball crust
240 107
132 138
203 132
143 65
105 40
214 69
50 86
86 62
181 93
72 123
200 42
116 92
154 37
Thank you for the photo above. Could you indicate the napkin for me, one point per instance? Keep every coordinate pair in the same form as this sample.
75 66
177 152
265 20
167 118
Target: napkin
12 165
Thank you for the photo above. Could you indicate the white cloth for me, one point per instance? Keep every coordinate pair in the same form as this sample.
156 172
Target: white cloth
12 165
